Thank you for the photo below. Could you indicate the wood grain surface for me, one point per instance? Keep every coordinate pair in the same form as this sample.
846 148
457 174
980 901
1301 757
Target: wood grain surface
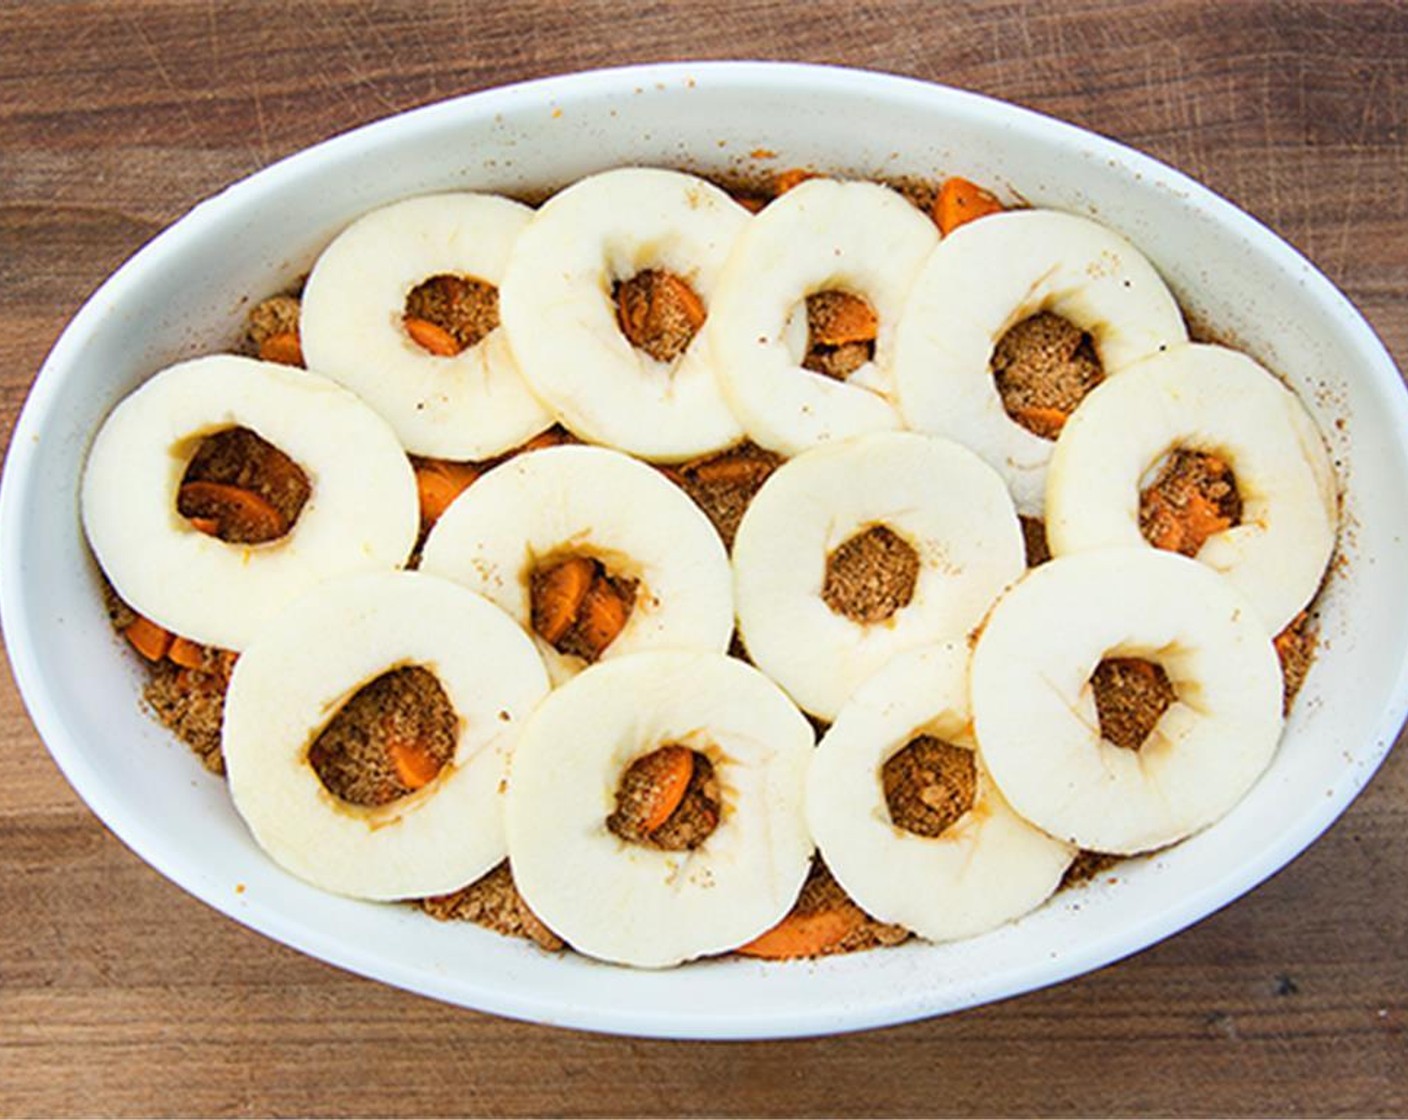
121 995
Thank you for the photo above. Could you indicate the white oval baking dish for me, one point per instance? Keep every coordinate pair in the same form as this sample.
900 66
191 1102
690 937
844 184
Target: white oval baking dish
185 293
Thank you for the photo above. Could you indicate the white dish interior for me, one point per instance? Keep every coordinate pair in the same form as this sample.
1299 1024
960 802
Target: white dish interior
186 294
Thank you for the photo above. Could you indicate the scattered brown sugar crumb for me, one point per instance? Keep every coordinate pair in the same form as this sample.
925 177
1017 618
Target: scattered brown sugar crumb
1295 646
1193 497
242 488
271 330
841 330
390 739
667 799
191 703
871 576
658 312
579 606
722 485
1131 696
1034 537
1044 366
1086 866
824 921
460 307
929 785
493 902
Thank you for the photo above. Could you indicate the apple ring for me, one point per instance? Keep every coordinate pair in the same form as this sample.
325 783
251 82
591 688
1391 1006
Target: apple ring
1034 709
470 405
986 867
362 514
986 277
1213 400
282 693
561 315
628 902
858 238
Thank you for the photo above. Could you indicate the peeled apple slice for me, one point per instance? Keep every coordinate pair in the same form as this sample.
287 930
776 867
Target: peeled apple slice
988 867
472 405
590 501
362 514
1034 709
859 238
560 313
1203 398
943 501
286 688
626 902
983 279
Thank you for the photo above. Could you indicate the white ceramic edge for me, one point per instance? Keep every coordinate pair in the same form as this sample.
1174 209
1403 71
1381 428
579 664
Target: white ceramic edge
1377 364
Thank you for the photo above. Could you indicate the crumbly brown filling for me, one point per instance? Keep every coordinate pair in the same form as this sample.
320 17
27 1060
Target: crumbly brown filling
1131 696
462 307
1193 496
273 316
1044 366
929 785
493 902
579 606
722 485
1034 538
658 312
824 921
871 575
1295 646
391 738
191 702
841 330
240 487
667 799
1086 866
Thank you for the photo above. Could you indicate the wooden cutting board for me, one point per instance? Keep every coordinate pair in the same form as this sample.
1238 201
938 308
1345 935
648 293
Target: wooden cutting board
121 995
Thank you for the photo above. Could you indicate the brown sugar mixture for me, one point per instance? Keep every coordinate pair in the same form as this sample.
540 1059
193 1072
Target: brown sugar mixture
241 488
658 312
823 921
1044 366
667 799
722 485
841 330
271 330
1193 496
1034 539
391 738
1295 646
1131 696
929 785
493 902
871 576
191 702
579 607
447 313
1086 866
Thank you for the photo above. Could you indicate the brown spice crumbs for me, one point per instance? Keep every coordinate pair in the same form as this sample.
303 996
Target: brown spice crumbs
493 902
841 330
723 485
823 894
1034 537
691 823
1193 496
1044 366
392 737
1295 646
267 318
1131 696
1086 866
871 575
243 459
191 703
658 313
929 785
464 308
